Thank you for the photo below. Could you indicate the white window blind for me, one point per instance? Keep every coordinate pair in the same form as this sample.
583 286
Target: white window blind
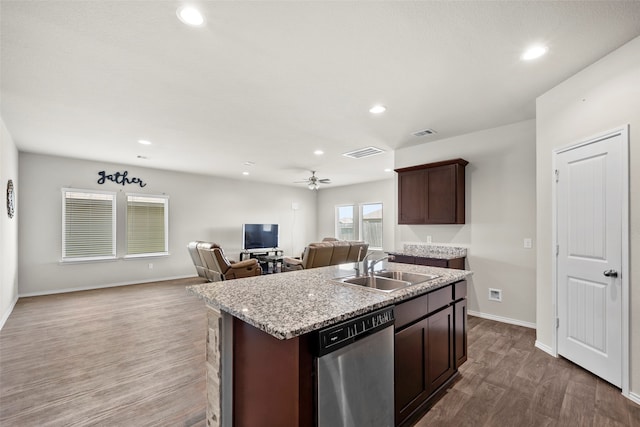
88 225
147 225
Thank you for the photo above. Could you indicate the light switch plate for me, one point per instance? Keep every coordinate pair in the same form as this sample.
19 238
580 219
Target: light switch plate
528 243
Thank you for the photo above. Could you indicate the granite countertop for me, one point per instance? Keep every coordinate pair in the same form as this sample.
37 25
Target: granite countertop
290 304
432 251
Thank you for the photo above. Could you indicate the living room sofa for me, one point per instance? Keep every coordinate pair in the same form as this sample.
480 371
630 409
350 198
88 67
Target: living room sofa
327 252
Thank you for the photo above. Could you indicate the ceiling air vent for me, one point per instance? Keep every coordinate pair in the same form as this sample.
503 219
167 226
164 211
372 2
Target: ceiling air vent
424 132
363 152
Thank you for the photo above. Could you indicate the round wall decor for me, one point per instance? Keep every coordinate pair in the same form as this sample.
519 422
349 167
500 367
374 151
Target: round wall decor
10 199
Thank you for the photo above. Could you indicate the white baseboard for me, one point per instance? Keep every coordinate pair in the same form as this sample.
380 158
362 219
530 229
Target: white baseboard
502 319
545 348
634 397
108 285
5 316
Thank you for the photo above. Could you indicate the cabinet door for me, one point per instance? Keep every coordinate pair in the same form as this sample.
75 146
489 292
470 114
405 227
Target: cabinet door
460 312
410 369
412 192
440 348
441 195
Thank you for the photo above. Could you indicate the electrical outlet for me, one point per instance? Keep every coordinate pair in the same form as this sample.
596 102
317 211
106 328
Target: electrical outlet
495 295
150 266
528 243
428 239
295 206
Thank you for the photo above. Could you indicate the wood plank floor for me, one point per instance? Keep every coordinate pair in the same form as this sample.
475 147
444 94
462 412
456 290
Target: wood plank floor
506 381
126 356
134 356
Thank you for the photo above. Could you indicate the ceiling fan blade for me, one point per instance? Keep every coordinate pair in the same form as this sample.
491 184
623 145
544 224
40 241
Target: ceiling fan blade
324 181
301 182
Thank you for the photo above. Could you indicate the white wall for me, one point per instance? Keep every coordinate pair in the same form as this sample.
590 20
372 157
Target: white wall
601 97
200 208
369 192
500 213
8 226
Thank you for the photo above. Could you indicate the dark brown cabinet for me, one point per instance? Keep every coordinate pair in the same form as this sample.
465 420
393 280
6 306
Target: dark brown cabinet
432 193
457 263
426 349
430 344
460 321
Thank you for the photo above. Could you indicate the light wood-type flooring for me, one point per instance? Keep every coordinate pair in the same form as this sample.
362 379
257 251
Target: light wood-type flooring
134 356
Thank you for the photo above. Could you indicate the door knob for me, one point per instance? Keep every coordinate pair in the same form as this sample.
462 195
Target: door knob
611 273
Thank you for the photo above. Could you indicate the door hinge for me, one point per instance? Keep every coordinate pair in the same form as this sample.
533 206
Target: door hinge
557 322
557 250
557 173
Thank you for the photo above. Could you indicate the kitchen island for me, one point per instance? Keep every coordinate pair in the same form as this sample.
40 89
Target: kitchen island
259 341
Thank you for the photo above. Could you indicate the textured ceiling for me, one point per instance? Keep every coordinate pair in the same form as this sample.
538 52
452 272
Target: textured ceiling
270 82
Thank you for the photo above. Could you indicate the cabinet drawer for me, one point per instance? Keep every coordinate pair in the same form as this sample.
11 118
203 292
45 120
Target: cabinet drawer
460 290
405 259
440 298
411 310
432 262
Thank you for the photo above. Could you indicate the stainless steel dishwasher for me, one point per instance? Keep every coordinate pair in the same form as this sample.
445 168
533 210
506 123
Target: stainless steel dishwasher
355 372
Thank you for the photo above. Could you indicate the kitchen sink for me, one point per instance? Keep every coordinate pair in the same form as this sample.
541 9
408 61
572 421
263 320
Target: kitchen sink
388 281
405 276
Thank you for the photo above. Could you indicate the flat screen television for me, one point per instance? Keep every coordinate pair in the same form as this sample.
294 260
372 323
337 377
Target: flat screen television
259 236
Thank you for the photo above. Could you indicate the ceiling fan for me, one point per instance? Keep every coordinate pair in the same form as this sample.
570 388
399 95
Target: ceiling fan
313 182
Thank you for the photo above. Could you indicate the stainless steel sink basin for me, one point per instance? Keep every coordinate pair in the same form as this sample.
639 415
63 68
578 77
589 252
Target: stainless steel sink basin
405 276
380 283
388 281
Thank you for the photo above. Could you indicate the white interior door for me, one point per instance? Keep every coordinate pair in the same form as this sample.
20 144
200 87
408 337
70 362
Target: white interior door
589 256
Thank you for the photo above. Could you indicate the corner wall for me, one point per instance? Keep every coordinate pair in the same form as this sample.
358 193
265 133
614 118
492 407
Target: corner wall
500 213
200 208
8 226
601 97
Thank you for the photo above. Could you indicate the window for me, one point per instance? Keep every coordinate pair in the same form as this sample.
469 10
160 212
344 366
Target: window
371 224
147 225
344 223
88 225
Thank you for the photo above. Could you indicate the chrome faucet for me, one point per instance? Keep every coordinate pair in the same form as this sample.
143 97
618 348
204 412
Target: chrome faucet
368 270
364 263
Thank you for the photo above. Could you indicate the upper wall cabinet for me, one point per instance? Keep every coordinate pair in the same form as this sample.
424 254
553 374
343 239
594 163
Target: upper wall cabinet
432 193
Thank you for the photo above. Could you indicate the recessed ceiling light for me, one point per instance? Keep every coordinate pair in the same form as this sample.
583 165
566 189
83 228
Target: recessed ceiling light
377 109
533 52
144 142
190 16
245 173
318 152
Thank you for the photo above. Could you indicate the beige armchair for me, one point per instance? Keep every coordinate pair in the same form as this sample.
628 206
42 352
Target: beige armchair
218 267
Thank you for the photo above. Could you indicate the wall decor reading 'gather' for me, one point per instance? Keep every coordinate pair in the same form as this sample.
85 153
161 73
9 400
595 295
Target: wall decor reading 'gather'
119 178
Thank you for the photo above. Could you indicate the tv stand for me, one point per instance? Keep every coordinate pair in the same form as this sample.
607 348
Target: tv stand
270 259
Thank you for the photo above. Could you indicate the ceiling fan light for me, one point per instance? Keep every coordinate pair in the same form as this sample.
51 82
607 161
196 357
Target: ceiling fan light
313 186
